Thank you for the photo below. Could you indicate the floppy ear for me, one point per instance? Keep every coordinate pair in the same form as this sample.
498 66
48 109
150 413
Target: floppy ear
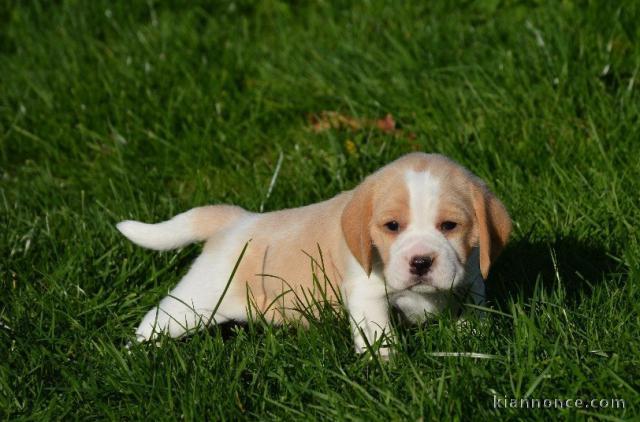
356 224
494 226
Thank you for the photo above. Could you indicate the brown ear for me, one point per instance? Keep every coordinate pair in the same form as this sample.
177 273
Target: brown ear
356 224
494 226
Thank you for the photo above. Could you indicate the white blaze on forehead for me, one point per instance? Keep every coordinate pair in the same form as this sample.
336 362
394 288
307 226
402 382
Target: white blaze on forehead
424 197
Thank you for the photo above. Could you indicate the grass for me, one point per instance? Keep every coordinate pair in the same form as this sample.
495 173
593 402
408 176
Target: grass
116 110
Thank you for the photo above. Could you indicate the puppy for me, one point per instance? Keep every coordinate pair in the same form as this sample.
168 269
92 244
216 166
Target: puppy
414 235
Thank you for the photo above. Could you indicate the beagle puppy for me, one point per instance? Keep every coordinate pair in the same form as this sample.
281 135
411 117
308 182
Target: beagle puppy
415 235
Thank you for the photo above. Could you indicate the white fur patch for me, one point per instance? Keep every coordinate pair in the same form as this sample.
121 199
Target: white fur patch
424 197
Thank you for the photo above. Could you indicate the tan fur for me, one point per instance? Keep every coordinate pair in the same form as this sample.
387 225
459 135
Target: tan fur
208 220
391 202
494 226
284 254
380 198
356 224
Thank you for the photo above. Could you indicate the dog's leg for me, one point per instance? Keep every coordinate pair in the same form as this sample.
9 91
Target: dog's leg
189 306
369 314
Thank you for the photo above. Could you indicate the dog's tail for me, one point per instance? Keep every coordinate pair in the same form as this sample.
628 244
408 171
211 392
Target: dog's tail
195 225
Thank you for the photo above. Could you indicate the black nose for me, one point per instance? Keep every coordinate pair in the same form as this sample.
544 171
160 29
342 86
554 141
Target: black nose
420 264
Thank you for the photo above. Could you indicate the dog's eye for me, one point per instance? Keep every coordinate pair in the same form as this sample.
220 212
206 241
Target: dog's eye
447 226
392 225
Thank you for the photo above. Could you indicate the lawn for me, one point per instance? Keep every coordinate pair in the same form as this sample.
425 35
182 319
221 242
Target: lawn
119 110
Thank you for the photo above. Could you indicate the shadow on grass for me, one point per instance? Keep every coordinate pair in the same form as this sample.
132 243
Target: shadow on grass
579 267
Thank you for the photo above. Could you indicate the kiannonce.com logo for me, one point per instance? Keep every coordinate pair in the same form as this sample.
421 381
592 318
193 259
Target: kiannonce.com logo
530 403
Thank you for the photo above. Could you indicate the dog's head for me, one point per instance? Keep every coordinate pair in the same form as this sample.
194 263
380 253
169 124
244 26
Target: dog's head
423 215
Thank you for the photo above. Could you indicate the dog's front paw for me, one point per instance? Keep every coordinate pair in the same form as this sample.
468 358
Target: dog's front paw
381 352
382 348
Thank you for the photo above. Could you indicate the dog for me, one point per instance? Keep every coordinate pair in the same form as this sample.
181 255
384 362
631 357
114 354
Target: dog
415 235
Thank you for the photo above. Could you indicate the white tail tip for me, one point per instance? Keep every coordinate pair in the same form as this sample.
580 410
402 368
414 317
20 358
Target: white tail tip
159 236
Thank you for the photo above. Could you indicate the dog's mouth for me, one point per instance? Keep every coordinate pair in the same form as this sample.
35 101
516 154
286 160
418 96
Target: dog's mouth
427 283
422 284
423 287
